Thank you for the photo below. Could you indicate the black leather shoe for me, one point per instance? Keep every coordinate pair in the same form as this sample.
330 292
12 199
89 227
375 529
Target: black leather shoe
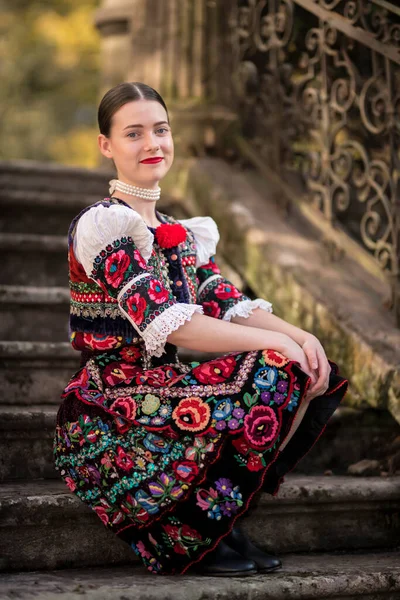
241 544
225 562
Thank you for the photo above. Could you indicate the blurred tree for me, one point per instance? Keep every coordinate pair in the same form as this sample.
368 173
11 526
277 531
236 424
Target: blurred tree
49 69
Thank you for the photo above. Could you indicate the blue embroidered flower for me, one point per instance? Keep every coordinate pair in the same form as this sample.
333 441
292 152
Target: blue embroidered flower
265 377
294 400
148 503
235 493
215 513
223 409
155 443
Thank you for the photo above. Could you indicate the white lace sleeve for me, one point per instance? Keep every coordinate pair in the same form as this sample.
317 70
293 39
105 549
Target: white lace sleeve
245 308
101 225
155 335
206 236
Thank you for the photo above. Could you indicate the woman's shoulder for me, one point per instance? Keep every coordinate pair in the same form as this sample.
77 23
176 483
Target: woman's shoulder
103 223
206 236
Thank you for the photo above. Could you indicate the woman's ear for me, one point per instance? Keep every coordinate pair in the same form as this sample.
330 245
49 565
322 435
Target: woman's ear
104 145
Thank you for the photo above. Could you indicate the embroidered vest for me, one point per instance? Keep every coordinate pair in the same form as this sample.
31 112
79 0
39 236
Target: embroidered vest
92 310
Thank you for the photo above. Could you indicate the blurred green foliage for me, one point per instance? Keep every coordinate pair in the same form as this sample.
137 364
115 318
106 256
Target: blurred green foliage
49 71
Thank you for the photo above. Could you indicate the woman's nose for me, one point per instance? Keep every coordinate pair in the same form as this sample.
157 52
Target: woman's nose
151 142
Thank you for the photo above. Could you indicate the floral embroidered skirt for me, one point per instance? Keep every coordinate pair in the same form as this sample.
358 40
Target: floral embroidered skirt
170 456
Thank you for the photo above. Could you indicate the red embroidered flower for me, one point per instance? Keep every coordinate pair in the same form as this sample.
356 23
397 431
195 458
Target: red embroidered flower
117 372
123 460
215 371
185 470
212 309
139 259
154 377
70 483
136 306
169 235
100 342
179 549
142 515
130 353
241 445
189 533
81 381
115 268
211 266
157 292
102 514
254 463
192 414
226 290
125 406
261 427
122 424
274 358
172 531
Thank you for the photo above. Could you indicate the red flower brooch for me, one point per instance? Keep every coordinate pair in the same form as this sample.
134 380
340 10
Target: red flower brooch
169 235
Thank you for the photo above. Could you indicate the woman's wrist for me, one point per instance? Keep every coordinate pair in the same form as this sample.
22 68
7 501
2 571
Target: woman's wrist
304 337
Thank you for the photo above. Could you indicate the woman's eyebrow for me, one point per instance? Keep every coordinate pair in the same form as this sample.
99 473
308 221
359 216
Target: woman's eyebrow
139 125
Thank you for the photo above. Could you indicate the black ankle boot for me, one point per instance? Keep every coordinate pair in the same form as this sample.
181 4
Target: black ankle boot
225 562
241 543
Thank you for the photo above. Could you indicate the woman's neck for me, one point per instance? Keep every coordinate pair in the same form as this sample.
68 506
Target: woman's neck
145 208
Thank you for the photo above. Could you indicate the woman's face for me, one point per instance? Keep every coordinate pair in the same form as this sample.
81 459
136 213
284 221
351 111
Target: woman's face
139 131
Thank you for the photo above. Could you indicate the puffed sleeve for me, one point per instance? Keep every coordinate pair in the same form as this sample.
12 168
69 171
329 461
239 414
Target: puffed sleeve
114 246
218 296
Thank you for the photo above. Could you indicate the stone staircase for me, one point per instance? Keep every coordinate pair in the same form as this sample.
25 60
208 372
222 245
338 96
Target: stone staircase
339 535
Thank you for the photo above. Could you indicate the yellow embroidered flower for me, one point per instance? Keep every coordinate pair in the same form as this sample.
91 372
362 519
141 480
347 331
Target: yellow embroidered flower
150 404
140 462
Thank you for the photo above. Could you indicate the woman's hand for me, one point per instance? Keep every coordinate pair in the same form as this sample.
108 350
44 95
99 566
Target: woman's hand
293 351
317 361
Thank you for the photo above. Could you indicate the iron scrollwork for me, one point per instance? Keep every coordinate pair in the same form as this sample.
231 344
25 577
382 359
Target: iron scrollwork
317 86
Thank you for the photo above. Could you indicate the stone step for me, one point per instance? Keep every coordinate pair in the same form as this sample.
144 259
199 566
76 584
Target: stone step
43 212
26 438
37 519
32 259
51 211
34 313
43 177
44 198
35 372
311 576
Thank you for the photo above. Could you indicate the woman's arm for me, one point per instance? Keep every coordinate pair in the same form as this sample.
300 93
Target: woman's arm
207 334
266 320
316 357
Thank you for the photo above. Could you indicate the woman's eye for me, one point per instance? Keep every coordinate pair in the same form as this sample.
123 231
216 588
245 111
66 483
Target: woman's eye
162 129
132 133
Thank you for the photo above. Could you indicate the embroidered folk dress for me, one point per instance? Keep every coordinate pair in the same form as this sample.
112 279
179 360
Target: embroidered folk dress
167 454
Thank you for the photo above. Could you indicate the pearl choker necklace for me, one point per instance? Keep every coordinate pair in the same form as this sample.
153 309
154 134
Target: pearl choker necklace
134 190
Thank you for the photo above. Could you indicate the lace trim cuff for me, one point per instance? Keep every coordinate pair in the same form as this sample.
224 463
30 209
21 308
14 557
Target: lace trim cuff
245 308
155 335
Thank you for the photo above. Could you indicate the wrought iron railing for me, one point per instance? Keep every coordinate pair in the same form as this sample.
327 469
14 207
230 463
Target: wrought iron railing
317 87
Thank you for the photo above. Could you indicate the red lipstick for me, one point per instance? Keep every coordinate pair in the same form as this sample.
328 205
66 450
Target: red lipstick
156 159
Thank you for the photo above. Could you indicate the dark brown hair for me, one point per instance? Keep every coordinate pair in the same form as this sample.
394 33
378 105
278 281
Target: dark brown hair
120 95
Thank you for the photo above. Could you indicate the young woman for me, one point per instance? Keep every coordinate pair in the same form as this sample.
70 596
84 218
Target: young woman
170 455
